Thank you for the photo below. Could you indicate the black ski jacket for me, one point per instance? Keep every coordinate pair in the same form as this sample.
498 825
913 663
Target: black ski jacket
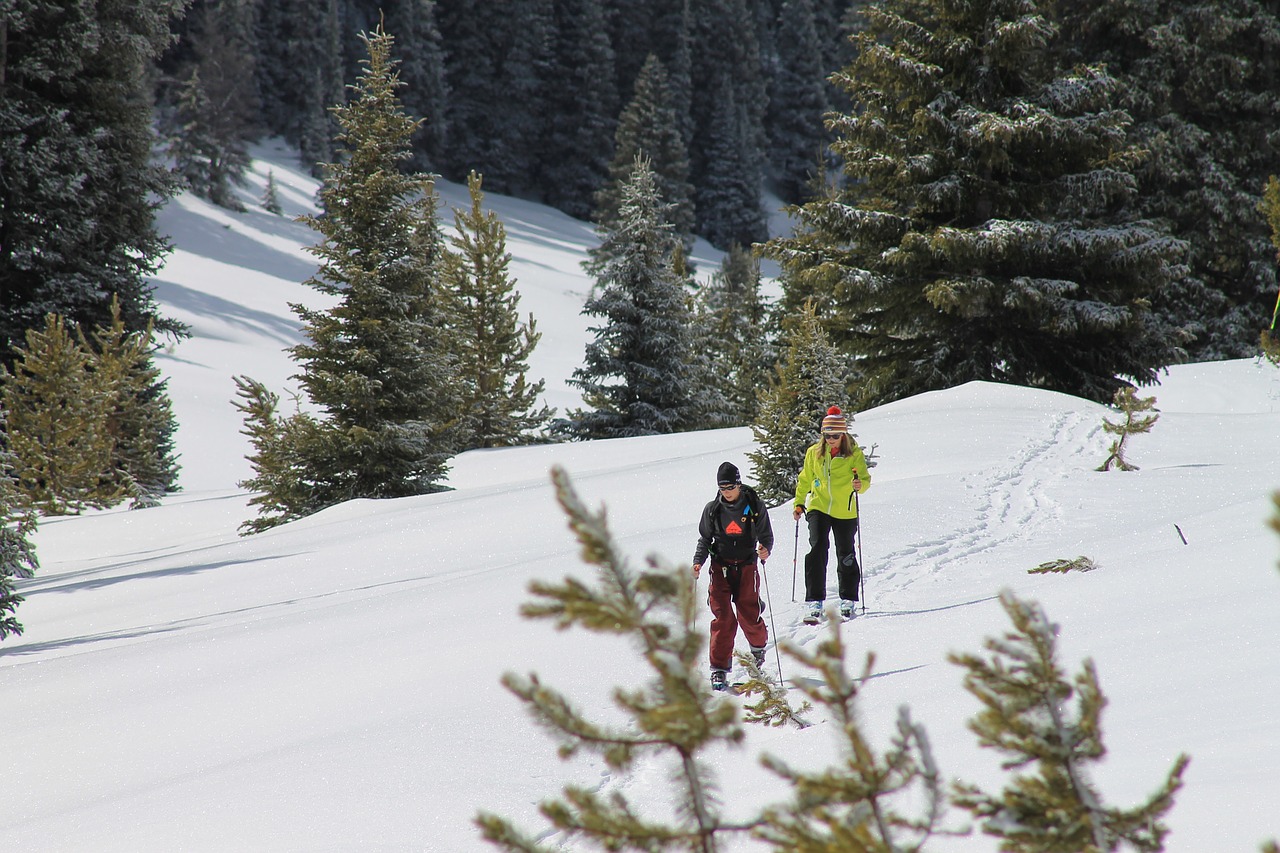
728 532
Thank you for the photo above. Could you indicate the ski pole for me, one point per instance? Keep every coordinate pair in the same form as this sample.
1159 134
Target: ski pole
773 626
795 554
862 565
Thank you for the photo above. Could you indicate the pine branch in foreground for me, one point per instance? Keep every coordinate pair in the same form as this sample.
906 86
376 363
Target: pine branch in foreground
1026 717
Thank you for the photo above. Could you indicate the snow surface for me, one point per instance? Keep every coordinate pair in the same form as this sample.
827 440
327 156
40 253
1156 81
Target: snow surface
333 684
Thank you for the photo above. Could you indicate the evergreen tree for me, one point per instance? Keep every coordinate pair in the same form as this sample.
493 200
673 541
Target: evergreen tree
728 102
17 553
635 373
983 231
1134 423
422 68
217 105
279 482
797 101
300 74
271 195
379 363
574 157
501 405
59 423
813 376
1026 717
728 195
856 806
649 127
141 422
730 317
78 186
1198 78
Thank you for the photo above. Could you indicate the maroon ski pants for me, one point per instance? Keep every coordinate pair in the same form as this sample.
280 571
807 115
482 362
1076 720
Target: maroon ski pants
734 588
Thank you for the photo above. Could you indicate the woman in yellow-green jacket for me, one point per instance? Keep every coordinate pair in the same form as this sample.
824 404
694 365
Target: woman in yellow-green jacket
834 472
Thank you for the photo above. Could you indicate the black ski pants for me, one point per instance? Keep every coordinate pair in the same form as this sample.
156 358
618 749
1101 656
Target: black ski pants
823 528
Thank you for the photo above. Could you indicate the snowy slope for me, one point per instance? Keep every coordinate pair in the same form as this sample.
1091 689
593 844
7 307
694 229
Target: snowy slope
333 684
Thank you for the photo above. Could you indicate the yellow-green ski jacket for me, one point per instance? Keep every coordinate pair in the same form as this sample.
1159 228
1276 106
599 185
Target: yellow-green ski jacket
826 483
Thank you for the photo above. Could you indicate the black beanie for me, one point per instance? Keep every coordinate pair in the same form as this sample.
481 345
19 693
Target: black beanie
727 473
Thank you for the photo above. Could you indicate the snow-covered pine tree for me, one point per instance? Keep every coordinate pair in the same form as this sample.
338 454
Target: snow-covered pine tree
501 405
674 714
573 160
299 73
80 186
797 101
857 805
271 195
17 552
1198 78
635 376
141 422
1026 717
58 427
1135 422
984 229
727 196
380 363
649 127
217 106
730 319
812 376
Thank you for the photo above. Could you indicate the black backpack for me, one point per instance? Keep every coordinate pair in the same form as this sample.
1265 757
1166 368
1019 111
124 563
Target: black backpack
753 509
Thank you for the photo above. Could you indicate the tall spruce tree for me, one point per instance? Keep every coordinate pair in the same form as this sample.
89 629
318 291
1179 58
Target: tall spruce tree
380 363
17 553
649 127
797 101
812 376
574 155
300 74
1026 716
635 373
501 405
217 107
78 187
728 195
1199 80
730 317
984 230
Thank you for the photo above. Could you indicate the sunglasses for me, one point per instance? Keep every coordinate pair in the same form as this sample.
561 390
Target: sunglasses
729 487
832 436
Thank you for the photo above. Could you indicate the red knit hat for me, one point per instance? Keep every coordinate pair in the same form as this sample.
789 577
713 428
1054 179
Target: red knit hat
834 423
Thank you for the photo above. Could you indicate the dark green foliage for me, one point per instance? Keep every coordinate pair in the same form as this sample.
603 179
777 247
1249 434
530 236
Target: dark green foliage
1026 717
217 106
635 376
730 321
279 446
649 127
812 376
380 364
300 74
1198 78
575 154
1134 423
271 196
501 406
17 553
797 101
982 232
727 195
78 188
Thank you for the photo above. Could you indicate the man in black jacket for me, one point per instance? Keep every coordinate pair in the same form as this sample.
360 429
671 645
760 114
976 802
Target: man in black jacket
734 530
